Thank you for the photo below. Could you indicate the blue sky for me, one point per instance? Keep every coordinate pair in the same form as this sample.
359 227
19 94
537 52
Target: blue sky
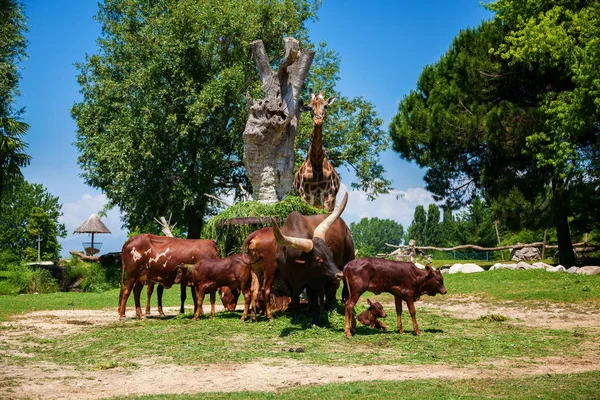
383 46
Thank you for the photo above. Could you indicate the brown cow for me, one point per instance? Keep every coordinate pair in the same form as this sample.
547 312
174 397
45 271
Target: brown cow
228 298
151 258
210 275
262 248
370 315
402 279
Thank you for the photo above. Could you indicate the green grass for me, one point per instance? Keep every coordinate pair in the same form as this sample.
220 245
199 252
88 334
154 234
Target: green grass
444 340
572 386
179 340
11 304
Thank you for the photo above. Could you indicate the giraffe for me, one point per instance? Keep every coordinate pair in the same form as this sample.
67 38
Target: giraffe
316 180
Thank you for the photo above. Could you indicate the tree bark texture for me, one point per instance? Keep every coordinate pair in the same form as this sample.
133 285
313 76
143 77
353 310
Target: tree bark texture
272 122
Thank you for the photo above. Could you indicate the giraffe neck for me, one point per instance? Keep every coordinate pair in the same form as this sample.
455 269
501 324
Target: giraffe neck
316 152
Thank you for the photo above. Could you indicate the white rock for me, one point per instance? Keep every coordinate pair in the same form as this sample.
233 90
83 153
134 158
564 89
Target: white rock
589 270
558 268
572 270
503 266
465 268
522 265
470 268
455 268
540 265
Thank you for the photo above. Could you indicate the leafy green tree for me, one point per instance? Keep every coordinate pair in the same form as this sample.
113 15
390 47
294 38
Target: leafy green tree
371 234
505 111
447 229
164 103
432 230
417 227
12 51
476 225
28 211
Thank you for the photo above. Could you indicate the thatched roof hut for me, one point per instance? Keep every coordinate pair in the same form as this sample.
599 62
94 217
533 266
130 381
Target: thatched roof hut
92 225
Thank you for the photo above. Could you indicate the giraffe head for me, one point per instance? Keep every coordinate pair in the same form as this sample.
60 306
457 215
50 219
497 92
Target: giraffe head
317 107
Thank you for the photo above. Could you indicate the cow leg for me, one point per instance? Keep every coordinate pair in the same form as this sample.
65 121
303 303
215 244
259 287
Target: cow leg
195 298
149 291
247 299
159 295
212 303
182 289
199 300
125 292
137 290
266 291
398 301
413 315
350 319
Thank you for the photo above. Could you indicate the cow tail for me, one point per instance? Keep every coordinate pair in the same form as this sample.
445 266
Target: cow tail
346 287
247 244
254 290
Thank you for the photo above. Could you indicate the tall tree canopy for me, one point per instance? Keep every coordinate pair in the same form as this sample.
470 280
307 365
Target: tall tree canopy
29 211
416 228
164 102
371 234
12 51
505 110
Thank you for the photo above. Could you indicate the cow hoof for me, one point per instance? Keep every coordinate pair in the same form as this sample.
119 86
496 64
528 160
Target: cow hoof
348 334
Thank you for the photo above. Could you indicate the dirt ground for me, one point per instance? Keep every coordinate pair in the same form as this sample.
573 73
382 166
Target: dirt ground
49 381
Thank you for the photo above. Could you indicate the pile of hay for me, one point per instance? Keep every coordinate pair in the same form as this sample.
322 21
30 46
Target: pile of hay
230 238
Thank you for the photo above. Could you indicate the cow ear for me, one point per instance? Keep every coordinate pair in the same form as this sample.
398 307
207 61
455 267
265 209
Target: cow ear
429 269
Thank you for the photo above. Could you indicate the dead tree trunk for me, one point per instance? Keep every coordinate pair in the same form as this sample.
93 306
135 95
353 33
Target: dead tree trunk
272 122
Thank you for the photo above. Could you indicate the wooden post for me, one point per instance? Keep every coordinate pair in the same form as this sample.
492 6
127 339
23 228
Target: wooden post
544 245
39 241
498 237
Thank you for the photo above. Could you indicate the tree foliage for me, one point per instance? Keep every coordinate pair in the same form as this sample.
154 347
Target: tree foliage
29 211
164 103
371 234
511 107
416 228
12 51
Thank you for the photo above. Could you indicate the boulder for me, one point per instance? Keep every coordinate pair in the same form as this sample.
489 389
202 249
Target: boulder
522 265
465 268
558 268
540 265
503 266
589 270
419 265
525 254
572 270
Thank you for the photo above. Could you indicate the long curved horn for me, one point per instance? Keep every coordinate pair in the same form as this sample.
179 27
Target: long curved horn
305 245
324 226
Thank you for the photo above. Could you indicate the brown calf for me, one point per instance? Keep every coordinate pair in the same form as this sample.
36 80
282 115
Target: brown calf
210 275
402 279
370 315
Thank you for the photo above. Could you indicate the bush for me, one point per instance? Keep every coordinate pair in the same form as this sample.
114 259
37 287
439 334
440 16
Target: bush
24 279
7 259
92 276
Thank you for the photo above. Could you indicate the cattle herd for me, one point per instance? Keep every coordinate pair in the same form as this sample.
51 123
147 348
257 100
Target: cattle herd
308 253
